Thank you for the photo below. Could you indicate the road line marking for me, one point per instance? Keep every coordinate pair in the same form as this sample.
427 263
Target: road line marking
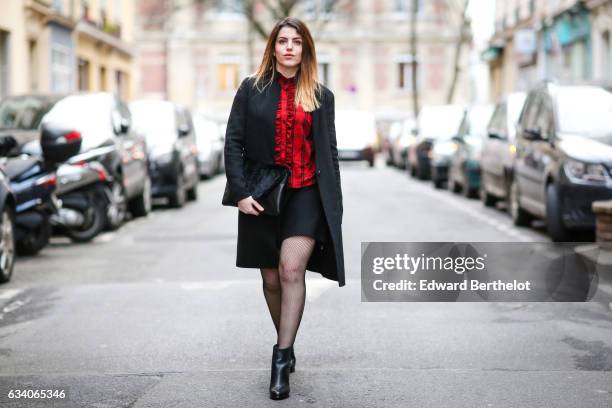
9 293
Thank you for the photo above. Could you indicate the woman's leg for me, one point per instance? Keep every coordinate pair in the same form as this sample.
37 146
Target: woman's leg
272 293
294 255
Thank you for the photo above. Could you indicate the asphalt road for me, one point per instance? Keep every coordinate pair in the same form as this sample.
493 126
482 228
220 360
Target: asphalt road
156 315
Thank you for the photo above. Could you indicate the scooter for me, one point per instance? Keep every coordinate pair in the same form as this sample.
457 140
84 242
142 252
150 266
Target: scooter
33 180
84 200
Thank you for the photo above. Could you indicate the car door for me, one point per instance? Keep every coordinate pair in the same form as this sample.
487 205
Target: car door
522 172
536 154
133 152
187 145
493 151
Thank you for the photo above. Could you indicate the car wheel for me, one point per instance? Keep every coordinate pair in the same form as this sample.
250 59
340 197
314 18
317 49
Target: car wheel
192 193
178 198
520 217
7 243
116 210
453 185
141 205
554 221
37 239
94 223
488 200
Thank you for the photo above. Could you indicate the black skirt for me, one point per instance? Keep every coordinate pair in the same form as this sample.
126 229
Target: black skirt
260 236
302 213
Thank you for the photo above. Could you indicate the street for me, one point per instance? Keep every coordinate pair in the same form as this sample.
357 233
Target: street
157 315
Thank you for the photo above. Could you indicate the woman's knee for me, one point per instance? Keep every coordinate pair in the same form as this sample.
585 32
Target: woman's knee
291 271
271 279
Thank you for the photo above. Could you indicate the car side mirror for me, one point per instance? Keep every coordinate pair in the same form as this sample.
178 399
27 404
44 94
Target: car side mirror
532 134
124 125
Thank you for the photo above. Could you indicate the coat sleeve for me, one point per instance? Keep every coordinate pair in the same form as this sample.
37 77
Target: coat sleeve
234 144
331 121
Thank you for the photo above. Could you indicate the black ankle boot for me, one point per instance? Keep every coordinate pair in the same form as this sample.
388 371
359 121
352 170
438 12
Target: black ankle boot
279 379
292 365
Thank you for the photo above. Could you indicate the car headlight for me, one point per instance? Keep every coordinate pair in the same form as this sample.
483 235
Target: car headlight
585 172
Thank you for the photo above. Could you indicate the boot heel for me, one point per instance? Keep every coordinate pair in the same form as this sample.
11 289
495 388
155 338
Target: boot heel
279 375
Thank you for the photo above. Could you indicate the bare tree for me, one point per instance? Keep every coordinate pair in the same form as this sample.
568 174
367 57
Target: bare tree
463 37
415 62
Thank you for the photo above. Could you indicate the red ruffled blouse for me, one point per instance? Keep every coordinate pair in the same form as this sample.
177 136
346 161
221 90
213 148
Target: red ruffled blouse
294 146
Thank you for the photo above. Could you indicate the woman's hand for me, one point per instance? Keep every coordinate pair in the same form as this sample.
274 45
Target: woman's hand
249 206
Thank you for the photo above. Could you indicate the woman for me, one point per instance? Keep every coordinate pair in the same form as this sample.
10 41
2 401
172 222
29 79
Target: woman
282 115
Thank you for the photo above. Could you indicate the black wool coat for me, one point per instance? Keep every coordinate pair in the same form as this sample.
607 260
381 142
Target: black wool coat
250 133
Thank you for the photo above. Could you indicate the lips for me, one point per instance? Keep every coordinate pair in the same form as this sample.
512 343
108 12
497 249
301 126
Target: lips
288 55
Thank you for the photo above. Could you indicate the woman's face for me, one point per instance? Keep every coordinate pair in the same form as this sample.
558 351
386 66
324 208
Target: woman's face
288 47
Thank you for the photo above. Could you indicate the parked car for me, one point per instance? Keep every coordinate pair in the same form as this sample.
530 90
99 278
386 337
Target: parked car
7 216
563 157
435 123
210 142
104 122
499 148
401 144
441 155
21 115
464 170
355 135
169 131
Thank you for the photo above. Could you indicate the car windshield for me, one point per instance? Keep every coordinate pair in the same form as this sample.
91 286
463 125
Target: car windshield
156 121
24 112
585 111
479 117
355 127
88 114
440 122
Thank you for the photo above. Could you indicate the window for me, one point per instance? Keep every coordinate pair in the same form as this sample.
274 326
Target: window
324 69
544 120
405 66
83 74
606 55
34 65
121 84
4 66
229 7
313 8
61 68
228 76
498 122
323 73
57 6
404 6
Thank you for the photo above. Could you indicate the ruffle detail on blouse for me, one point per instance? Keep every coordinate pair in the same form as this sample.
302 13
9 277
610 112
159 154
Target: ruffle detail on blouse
284 126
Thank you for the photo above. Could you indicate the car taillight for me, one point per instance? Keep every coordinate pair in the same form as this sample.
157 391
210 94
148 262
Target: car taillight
71 136
47 181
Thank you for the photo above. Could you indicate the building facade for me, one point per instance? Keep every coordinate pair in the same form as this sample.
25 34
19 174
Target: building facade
563 40
197 54
65 46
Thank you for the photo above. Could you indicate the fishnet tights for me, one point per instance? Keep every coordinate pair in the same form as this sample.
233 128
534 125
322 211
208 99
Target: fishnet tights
285 287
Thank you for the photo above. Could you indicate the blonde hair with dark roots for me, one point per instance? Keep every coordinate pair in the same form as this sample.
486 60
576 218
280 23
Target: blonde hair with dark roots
307 83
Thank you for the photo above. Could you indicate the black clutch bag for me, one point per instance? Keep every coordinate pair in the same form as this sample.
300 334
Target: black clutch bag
266 183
